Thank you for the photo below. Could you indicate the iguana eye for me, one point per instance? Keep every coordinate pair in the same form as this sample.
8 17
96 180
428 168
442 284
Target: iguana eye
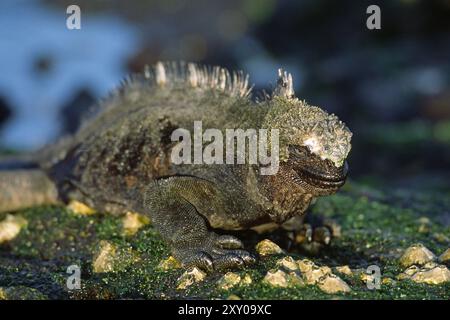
298 151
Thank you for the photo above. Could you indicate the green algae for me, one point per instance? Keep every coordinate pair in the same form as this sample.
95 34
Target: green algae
377 226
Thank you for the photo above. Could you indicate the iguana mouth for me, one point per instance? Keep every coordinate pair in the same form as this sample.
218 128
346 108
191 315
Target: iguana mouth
323 179
316 172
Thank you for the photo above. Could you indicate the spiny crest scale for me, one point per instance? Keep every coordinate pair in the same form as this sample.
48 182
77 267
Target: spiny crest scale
191 75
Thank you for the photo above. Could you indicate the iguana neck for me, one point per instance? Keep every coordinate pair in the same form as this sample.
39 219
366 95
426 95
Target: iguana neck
276 195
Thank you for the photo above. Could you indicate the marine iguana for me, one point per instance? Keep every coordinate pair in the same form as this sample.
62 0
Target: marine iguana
120 160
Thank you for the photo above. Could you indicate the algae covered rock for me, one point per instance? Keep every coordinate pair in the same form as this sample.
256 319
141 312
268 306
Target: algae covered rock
10 227
246 280
276 278
445 256
169 264
417 254
80 208
437 275
190 277
305 265
295 279
229 280
431 273
408 273
312 272
132 222
267 247
288 263
332 284
282 279
111 258
344 270
21 293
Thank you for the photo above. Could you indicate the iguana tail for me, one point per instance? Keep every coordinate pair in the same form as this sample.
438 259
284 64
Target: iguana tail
25 188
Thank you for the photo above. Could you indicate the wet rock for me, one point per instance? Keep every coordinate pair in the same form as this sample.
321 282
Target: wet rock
10 227
445 257
294 279
344 270
132 222
333 284
305 265
388 281
436 275
288 263
229 280
417 254
169 264
431 273
311 272
424 225
109 258
190 277
21 293
367 278
314 275
80 208
440 237
276 278
246 280
408 273
267 247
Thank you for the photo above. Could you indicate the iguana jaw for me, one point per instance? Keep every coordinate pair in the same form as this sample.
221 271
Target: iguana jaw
323 179
321 175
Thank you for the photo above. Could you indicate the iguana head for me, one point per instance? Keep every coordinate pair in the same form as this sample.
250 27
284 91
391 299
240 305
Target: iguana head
314 144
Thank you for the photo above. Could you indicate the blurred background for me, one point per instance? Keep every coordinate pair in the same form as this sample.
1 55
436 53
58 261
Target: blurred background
391 86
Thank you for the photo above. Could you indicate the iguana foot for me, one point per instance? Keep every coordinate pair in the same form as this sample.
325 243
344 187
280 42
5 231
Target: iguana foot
313 238
308 234
219 252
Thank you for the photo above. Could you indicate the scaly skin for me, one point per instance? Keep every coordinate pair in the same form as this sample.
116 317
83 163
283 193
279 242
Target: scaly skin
120 161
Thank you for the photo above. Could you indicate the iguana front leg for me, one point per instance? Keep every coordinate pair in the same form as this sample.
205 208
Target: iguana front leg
171 205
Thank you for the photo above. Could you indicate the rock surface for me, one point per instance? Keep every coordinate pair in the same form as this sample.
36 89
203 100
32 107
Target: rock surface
190 277
287 263
431 273
80 208
109 258
445 256
267 247
229 280
276 278
333 284
246 280
21 293
132 222
311 272
169 264
416 254
10 227
344 270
